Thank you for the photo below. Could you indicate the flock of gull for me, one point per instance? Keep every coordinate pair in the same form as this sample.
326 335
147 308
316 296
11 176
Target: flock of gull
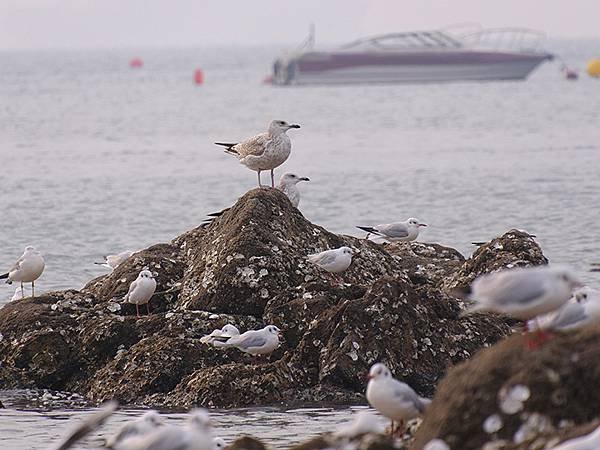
546 298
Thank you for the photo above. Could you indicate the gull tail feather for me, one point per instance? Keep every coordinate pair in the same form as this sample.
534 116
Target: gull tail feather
228 147
4 276
369 230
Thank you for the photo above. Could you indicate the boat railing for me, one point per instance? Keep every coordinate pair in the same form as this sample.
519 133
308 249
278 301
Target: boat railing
510 38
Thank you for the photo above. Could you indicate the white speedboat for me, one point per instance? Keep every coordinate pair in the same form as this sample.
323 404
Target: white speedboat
416 57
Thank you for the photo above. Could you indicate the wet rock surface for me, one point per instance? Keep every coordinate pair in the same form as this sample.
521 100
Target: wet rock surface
510 397
249 268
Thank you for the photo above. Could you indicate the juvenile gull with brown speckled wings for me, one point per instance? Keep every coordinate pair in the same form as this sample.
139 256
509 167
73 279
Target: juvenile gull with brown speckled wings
265 151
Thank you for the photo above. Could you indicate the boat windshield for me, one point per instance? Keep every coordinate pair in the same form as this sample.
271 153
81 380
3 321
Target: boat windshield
409 40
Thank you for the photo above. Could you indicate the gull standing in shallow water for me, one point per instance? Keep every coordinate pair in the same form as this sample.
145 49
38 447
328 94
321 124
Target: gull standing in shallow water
265 151
27 269
142 425
254 342
220 335
288 185
196 434
141 291
396 232
392 398
112 261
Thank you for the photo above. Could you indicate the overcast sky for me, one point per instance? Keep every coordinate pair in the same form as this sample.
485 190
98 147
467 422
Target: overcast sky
32 24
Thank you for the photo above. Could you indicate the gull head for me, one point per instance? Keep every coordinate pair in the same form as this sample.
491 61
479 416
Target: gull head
291 178
145 274
566 278
199 420
219 443
281 126
152 418
230 329
582 295
379 371
346 251
273 329
414 223
30 249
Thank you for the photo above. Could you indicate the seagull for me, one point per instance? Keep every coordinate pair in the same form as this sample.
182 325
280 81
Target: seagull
364 422
287 185
220 335
27 269
141 290
396 232
583 310
142 425
112 261
523 293
87 426
590 441
265 151
219 443
254 342
333 261
392 398
196 434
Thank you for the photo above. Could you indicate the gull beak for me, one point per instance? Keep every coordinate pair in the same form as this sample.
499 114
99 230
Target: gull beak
422 224
304 179
369 377
294 125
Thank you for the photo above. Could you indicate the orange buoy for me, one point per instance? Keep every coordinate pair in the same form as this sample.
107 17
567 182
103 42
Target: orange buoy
136 63
198 76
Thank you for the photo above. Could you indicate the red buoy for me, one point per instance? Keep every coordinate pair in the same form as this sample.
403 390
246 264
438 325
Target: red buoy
136 63
198 76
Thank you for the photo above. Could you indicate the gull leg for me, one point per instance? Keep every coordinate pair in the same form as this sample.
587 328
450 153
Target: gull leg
272 179
401 428
392 428
137 310
32 289
259 183
22 290
148 308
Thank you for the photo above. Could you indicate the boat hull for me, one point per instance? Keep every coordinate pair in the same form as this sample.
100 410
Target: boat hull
328 68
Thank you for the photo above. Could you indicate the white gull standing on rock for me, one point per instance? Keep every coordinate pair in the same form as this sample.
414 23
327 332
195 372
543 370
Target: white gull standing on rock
396 232
27 269
112 261
583 309
523 293
265 151
288 185
392 398
255 342
333 261
146 423
141 291
196 434
220 335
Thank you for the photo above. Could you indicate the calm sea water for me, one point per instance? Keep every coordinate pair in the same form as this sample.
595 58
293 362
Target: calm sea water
97 158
